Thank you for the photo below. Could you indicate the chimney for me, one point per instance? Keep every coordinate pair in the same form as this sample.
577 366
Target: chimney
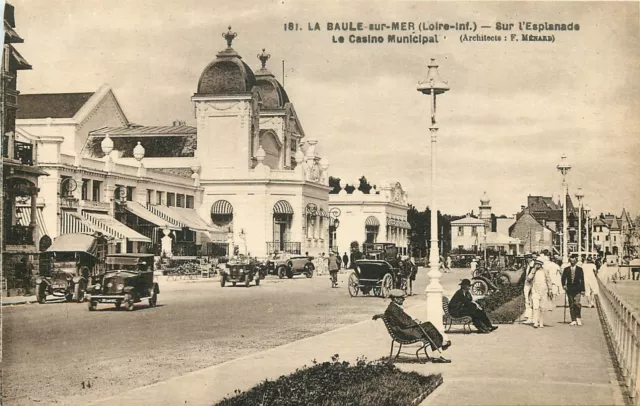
177 123
522 208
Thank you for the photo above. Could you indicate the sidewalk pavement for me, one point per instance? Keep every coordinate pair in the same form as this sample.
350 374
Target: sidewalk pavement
517 364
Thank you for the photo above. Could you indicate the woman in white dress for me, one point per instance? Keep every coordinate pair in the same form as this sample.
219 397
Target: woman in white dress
541 292
590 284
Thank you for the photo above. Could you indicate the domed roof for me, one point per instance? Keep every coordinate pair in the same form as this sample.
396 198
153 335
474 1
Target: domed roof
272 93
227 73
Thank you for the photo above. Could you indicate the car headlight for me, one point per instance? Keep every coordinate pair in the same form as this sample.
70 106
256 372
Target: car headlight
97 286
120 286
109 284
38 281
242 271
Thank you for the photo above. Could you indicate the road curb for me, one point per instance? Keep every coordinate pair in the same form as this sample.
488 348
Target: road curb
21 302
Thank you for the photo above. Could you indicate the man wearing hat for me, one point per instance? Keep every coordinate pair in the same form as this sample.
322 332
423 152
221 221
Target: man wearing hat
407 326
462 304
573 282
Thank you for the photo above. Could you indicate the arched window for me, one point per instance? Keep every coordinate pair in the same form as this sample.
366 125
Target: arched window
222 213
372 227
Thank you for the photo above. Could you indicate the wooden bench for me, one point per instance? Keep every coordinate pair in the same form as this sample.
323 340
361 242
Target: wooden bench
447 318
396 337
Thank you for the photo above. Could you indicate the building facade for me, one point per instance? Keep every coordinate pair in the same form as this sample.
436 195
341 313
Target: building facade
380 216
467 233
22 225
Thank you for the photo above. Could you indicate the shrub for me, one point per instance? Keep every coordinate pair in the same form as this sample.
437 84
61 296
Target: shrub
508 312
339 383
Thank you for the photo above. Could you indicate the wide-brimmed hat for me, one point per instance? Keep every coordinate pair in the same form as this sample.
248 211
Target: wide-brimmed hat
465 282
396 293
539 261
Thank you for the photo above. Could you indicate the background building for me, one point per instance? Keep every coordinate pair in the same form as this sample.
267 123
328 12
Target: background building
376 217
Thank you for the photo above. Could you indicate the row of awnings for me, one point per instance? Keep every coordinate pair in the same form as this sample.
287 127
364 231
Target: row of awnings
372 221
224 208
89 223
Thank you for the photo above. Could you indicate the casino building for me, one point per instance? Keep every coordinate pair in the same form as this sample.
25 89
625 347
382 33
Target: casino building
245 179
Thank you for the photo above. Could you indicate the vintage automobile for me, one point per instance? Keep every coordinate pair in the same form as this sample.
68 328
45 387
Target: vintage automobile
486 280
67 266
296 265
241 270
128 280
381 274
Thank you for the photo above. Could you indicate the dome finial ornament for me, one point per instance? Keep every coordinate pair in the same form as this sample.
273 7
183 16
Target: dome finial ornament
229 36
264 57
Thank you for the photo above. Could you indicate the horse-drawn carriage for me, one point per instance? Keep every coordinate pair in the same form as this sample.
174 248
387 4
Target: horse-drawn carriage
381 271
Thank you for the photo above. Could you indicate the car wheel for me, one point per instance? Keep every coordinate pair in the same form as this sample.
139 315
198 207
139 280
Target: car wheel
289 274
91 305
504 280
118 304
282 271
353 285
387 285
128 301
68 297
479 288
41 296
223 280
153 300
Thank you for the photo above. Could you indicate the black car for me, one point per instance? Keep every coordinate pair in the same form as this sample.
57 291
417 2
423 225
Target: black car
241 270
128 280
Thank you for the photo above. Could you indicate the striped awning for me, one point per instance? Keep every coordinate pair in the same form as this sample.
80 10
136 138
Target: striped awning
406 225
222 207
140 211
72 223
113 228
392 222
180 217
282 207
371 221
23 218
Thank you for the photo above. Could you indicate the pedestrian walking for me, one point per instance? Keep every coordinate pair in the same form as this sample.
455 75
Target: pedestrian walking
24 271
345 260
590 284
333 269
573 282
541 292
528 285
448 262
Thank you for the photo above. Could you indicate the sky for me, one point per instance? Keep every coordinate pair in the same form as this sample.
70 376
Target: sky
513 109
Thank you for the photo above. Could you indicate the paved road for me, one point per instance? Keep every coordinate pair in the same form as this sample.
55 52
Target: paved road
50 350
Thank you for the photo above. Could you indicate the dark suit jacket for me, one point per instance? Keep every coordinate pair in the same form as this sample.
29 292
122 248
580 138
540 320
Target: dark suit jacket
576 285
461 304
407 328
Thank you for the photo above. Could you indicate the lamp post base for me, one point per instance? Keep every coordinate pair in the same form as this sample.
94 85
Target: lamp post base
434 293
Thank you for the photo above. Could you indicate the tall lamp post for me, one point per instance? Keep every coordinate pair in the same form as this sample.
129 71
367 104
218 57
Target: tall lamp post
564 168
587 211
432 87
579 196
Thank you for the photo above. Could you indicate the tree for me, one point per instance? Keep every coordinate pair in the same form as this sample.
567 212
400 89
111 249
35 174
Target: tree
335 184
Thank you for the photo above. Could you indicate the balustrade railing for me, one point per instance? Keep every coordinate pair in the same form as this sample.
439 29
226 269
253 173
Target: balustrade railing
284 246
623 324
19 235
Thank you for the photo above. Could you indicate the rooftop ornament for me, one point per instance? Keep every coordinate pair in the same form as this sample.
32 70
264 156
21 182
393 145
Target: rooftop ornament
264 57
229 36
107 144
138 152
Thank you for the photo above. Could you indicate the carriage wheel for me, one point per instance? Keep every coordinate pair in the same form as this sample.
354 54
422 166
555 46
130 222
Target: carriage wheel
387 285
353 285
479 287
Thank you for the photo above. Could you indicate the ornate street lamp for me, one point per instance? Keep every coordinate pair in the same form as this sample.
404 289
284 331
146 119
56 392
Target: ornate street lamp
564 168
433 86
579 196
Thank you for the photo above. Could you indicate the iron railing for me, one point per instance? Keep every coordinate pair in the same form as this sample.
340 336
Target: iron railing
284 246
622 323
19 235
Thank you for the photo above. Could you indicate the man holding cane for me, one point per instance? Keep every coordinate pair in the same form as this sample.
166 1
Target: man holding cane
573 282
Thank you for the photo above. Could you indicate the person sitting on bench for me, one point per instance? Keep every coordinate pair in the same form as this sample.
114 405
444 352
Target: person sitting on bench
462 304
413 327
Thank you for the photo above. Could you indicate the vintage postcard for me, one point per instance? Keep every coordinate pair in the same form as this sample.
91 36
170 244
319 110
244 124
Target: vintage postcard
331 203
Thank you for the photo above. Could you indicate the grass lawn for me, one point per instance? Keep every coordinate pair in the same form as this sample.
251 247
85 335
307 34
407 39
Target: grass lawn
339 383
